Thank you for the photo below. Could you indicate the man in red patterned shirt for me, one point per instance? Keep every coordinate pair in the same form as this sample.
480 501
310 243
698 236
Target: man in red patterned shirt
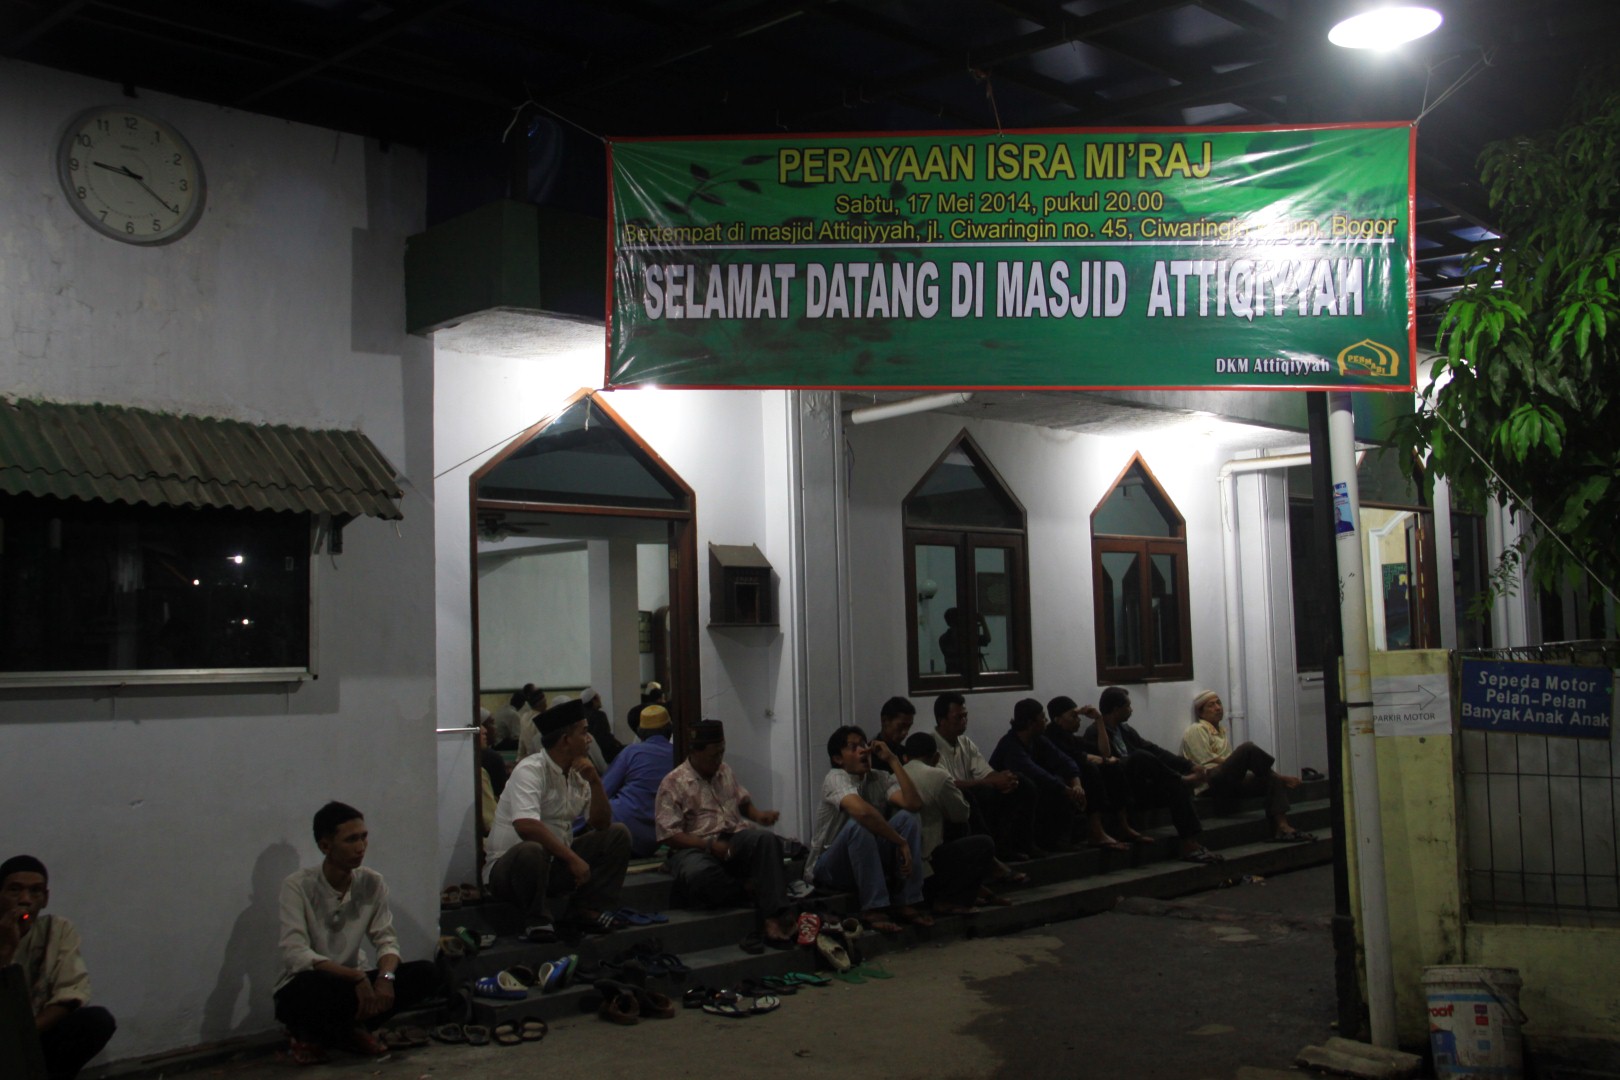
719 855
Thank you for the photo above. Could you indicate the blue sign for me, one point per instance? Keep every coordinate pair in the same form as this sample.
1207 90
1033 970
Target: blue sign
1537 699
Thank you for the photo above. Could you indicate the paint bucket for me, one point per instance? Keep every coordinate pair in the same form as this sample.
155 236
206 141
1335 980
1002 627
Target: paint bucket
1474 1020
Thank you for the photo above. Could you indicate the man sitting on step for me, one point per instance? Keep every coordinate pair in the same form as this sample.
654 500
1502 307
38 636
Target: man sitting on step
1241 772
532 854
330 914
957 869
1153 775
856 848
723 851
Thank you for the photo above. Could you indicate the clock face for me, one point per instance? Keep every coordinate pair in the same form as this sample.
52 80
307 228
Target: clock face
132 177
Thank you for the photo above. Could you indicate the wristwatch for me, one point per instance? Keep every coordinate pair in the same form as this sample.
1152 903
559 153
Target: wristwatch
389 975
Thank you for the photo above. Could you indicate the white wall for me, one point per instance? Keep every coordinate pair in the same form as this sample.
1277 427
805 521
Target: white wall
1060 477
168 818
534 617
718 442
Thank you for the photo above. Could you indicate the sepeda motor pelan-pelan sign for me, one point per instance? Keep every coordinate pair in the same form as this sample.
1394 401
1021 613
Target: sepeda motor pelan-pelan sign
1275 258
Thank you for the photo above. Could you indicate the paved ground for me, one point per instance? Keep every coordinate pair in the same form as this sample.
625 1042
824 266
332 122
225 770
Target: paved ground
1190 989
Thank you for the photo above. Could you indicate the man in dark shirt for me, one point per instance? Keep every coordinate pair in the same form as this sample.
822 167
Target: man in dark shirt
1106 794
1153 774
894 724
1026 752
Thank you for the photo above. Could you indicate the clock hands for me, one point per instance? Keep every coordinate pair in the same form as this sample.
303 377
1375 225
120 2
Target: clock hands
124 170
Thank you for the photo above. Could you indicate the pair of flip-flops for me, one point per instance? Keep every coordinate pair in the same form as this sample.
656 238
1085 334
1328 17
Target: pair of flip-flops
471 1034
1203 855
515 1032
735 1004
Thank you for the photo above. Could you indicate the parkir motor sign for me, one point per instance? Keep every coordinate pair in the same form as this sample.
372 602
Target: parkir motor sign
1207 258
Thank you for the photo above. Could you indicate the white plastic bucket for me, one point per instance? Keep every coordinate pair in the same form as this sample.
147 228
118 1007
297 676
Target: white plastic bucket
1474 1020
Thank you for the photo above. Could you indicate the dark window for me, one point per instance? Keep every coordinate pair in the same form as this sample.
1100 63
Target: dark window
967 617
90 587
581 458
1139 577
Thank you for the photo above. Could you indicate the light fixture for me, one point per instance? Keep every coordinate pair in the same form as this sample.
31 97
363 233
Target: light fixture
869 413
1385 26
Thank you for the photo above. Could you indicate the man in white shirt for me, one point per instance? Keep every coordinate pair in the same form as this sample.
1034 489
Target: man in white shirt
532 854
957 869
329 914
1002 807
71 1031
856 848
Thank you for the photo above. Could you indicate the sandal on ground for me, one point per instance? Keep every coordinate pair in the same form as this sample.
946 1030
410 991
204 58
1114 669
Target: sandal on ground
532 1028
470 894
1309 774
1202 855
502 987
1294 837
870 971
653 1004
452 946
807 978
914 916
477 1034
605 923
540 933
762 1003
696 996
753 943
300 1052
809 927
360 1041
414 1036
449 1033
619 1006
724 1003
394 1039
853 977
779 985
450 898
640 918
469 939
836 956
505 1033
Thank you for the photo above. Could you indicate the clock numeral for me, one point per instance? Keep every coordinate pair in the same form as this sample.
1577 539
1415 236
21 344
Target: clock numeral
80 191
102 123
73 164
184 186
104 215
132 122
84 137
129 227
157 226
174 160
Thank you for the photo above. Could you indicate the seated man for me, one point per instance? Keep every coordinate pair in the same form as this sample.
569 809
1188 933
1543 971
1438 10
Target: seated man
326 995
1026 752
534 826
855 847
1105 791
71 1030
534 703
718 856
633 779
651 694
1152 773
508 719
894 724
1002 809
957 869
1241 773
600 727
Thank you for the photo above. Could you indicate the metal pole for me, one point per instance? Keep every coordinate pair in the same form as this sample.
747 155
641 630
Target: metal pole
1359 714
1346 977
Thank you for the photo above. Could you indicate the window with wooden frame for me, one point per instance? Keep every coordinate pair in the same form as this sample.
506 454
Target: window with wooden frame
1139 578
967 577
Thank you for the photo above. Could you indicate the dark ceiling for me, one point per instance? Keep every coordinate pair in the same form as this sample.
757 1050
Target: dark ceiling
452 75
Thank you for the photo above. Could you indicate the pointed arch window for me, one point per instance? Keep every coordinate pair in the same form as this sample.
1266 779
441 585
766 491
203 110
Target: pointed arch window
967 577
1139 577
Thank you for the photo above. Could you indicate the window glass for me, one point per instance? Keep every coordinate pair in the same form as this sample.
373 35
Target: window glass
992 584
1167 603
92 586
582 457
1122 608
936 606
1135 508
959 492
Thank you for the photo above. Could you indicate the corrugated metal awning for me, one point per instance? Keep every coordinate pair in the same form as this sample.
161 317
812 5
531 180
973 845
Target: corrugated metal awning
119 454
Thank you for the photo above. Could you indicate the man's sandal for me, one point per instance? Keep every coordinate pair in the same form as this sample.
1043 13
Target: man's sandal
532 1029
505 1033
477 1034
449 1033
501 987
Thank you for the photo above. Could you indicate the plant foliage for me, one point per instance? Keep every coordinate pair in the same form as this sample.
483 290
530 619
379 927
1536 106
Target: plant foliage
1529 368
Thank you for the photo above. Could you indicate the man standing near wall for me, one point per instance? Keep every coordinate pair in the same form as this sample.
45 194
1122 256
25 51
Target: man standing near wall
329 914
71 1031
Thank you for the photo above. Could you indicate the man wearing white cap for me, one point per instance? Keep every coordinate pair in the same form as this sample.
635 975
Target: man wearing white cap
600 727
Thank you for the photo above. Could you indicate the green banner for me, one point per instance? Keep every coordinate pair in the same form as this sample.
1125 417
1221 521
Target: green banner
1159 258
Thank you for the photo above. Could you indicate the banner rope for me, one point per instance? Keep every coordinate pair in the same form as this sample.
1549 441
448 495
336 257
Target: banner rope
1484 61
983 76
517 114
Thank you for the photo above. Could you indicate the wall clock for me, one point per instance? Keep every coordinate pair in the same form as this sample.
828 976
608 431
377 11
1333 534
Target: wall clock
130 176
